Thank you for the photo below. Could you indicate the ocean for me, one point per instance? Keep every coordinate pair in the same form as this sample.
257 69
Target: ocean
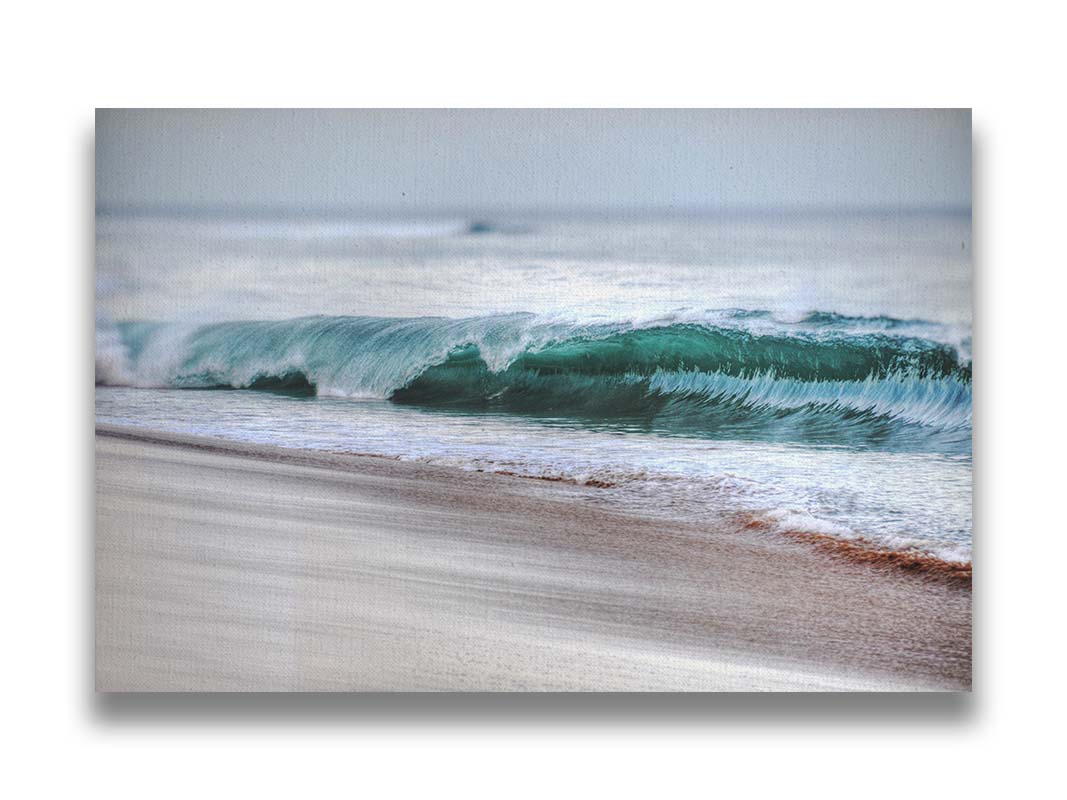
810 371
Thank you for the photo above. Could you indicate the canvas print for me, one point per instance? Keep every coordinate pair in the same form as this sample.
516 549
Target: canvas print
533 400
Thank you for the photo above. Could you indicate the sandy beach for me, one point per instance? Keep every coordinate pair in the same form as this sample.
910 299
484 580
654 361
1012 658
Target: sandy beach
222 566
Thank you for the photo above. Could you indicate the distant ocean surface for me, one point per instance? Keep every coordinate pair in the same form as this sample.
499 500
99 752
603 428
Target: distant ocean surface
812 370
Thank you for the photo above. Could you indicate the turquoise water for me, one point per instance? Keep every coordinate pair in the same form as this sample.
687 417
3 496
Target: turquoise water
813 369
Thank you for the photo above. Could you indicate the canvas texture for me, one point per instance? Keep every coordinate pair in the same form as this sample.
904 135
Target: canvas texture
533 400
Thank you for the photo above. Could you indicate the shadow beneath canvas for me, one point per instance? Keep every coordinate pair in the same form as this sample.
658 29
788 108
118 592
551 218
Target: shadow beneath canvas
733 710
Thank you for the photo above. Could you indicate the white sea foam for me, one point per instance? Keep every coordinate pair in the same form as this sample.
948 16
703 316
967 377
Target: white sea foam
112 363
917 501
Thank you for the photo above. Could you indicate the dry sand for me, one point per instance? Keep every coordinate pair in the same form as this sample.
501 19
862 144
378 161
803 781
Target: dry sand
231 567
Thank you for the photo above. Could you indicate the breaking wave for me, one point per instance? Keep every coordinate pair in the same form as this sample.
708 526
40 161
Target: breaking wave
823 377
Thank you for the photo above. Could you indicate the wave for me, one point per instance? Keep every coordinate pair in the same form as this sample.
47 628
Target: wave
822 377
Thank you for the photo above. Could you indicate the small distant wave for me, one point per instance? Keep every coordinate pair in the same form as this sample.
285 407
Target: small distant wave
479 227
822 378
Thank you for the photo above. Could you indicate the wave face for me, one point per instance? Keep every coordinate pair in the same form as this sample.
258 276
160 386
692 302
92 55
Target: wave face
881 382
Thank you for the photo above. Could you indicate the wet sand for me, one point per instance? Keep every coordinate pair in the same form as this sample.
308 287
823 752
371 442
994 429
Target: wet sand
222 566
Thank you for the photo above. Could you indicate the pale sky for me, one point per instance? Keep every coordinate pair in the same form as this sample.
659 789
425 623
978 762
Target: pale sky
411 161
